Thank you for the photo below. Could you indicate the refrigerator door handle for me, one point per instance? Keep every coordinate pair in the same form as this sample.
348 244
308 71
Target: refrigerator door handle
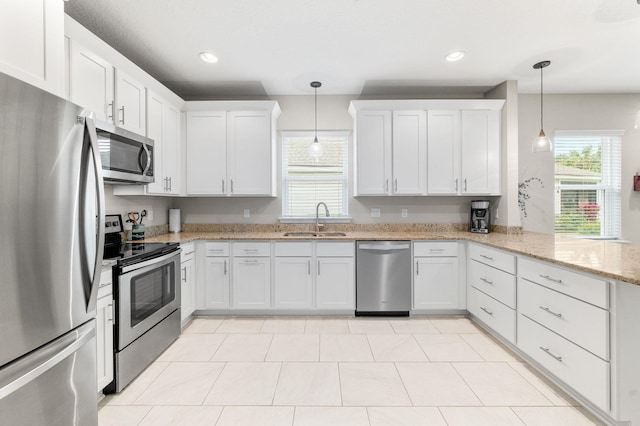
92 291
39 362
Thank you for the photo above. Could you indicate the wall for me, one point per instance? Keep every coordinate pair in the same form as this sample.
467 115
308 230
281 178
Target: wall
298 114
578 112
123 205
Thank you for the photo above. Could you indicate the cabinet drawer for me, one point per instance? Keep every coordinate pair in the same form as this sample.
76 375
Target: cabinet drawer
332 249
583 371
496 258
494 314
494 282
216 249
584 324
296 249
583 287
105 291
254 249
188 252
432 249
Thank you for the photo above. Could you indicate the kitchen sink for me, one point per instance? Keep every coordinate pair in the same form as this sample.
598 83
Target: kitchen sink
314 234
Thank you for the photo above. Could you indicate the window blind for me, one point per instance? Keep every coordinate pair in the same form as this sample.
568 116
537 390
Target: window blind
306 180
588 167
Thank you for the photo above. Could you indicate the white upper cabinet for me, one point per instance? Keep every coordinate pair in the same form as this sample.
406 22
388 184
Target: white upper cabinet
373 152
409 153
91 82
443 152
391 153
207 153
231 152
32 42
163 126
480 151
427 147
130 103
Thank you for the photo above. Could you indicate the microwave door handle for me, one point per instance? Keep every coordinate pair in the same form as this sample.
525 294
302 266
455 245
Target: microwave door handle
92 146
145 168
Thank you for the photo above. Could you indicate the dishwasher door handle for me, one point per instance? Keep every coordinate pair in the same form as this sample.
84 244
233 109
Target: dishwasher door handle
384 247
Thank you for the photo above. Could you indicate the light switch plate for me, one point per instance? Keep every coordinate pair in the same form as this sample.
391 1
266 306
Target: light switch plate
150 215
375 212
247 213
405 212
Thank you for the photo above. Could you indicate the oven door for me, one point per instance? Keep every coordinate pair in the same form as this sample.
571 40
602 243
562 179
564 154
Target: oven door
147 293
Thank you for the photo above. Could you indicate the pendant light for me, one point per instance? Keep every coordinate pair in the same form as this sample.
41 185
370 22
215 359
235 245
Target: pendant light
315 150
542 143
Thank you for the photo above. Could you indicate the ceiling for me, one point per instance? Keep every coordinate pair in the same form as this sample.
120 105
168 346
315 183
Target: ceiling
372 48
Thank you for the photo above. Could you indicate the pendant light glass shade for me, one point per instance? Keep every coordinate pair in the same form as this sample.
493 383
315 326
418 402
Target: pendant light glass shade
315 149
542 143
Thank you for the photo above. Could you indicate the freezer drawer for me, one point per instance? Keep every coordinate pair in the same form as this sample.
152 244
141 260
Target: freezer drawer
383 278
54 385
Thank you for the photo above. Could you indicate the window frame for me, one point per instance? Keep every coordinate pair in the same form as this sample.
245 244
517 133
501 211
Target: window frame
609 188
344 177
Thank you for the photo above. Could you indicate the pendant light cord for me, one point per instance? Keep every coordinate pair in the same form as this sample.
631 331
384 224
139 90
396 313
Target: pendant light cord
541 100
315 97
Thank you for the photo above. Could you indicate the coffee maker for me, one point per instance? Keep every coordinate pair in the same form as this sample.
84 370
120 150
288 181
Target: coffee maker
480 217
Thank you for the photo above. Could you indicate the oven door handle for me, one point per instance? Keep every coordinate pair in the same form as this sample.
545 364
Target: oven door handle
154 261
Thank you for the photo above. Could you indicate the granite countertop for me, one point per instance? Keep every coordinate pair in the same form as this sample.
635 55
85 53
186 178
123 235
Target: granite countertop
608 259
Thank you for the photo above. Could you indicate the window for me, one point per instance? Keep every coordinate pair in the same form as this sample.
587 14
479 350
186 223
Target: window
306 180
587 183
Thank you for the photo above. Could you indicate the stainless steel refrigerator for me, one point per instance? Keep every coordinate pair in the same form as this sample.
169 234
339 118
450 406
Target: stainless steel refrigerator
51 244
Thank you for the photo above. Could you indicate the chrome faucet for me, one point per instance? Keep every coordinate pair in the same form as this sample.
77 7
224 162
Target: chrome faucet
326 212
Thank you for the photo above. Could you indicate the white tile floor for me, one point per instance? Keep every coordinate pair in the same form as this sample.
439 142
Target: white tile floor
339 371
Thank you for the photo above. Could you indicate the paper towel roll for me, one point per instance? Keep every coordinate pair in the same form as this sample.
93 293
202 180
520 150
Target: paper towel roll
174 220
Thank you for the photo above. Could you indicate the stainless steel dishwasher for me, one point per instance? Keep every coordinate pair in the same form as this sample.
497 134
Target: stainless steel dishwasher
383 278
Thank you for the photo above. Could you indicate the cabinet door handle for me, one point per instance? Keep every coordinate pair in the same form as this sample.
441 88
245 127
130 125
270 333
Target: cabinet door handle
308 267
318 267
232 186
547 277
395 185
184 274
456 184
544 308
225 267
486 310
465 185
110 106
109 312
223 186
122 120
548 352
486 281
386 185
417 268
170 186
486 257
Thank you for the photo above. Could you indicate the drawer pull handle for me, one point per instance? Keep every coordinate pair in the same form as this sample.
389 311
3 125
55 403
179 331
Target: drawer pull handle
250 261
436 249
486 281
486 310
486 257
417 268
548 352
225 267
544 308
547 277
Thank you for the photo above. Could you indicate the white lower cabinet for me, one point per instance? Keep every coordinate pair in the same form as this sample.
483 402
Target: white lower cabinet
104 330
297 272
187 281
436 284
213 292
578 368
251 276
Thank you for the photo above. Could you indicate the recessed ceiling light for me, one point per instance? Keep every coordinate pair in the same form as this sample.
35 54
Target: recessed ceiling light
208 57
455 56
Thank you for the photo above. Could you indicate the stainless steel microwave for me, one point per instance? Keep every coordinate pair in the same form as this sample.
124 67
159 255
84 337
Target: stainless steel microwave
126 157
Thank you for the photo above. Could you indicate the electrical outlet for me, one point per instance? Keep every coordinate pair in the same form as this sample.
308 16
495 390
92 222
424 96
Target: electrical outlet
497 213
247 213
375 212
150 215
405 212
